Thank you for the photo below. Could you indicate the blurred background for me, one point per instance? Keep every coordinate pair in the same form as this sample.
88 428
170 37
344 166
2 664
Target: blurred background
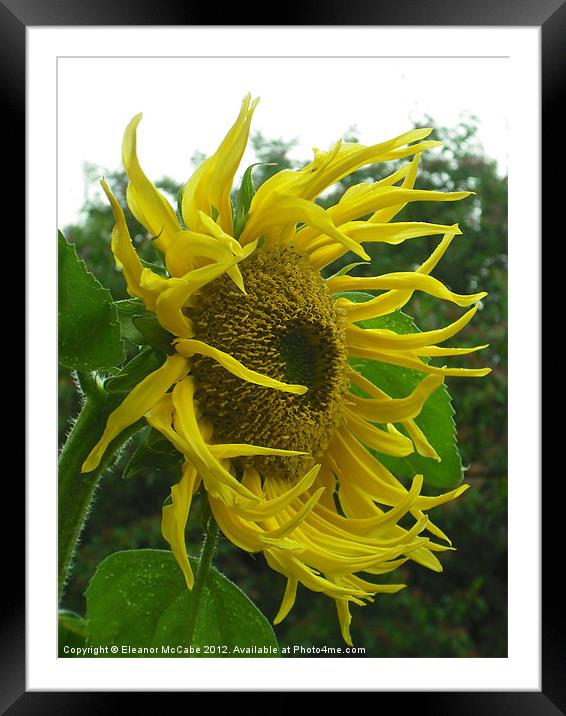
458 613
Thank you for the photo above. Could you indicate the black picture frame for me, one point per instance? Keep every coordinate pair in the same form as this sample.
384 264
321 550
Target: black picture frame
550 17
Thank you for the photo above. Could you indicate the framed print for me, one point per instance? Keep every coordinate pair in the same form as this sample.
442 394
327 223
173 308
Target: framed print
261 349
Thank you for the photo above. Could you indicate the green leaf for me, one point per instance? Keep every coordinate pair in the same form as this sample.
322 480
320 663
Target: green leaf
154 453
71 632
244 198
436 418
89 331
139 599
141 326
179 210
126 310
156 268
158 443
152 331
141 365
346 269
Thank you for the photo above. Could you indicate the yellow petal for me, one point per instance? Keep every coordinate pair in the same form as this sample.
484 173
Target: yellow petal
147 204
191 347
389 340
379 440
271 507
385 214
326 169
372 478
218 480
246 534
404 152
344 617
352 156
327 254
287 564
174 520
140 399
359 232
186 246
395 410
284 210
425 557
420 441
410 281
436 351
207 225
170 302
359 200
228 450
288 527
125 254
288 600
409 360
160 417
344 213
392 300
211 183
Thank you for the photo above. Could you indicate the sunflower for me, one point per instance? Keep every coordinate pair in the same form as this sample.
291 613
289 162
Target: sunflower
257 391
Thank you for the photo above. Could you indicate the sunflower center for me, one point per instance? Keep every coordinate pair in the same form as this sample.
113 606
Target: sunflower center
289 328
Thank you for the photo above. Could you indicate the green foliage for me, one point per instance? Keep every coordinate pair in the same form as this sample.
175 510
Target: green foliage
152 331
345 270
89 332
141 365
71 631
126 311
243 200
139 598
154 453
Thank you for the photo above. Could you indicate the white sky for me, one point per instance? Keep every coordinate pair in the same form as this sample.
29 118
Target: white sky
189 103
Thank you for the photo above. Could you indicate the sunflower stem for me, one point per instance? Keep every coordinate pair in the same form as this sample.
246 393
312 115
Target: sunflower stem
88 384
205 561
76 491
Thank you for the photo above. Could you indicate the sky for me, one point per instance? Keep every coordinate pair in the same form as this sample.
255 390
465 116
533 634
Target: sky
188 104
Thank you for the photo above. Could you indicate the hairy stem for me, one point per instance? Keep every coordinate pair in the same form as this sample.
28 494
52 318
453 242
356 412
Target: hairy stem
76 490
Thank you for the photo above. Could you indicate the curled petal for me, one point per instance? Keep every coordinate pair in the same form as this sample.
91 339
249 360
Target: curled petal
136 404
397 281
228 450
125 254
217 479
286 210
407 359
270 507
345 618
288 599
187 246
359 232
379 440
192 347
146 203
389 340
209 187
392 411
174 519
